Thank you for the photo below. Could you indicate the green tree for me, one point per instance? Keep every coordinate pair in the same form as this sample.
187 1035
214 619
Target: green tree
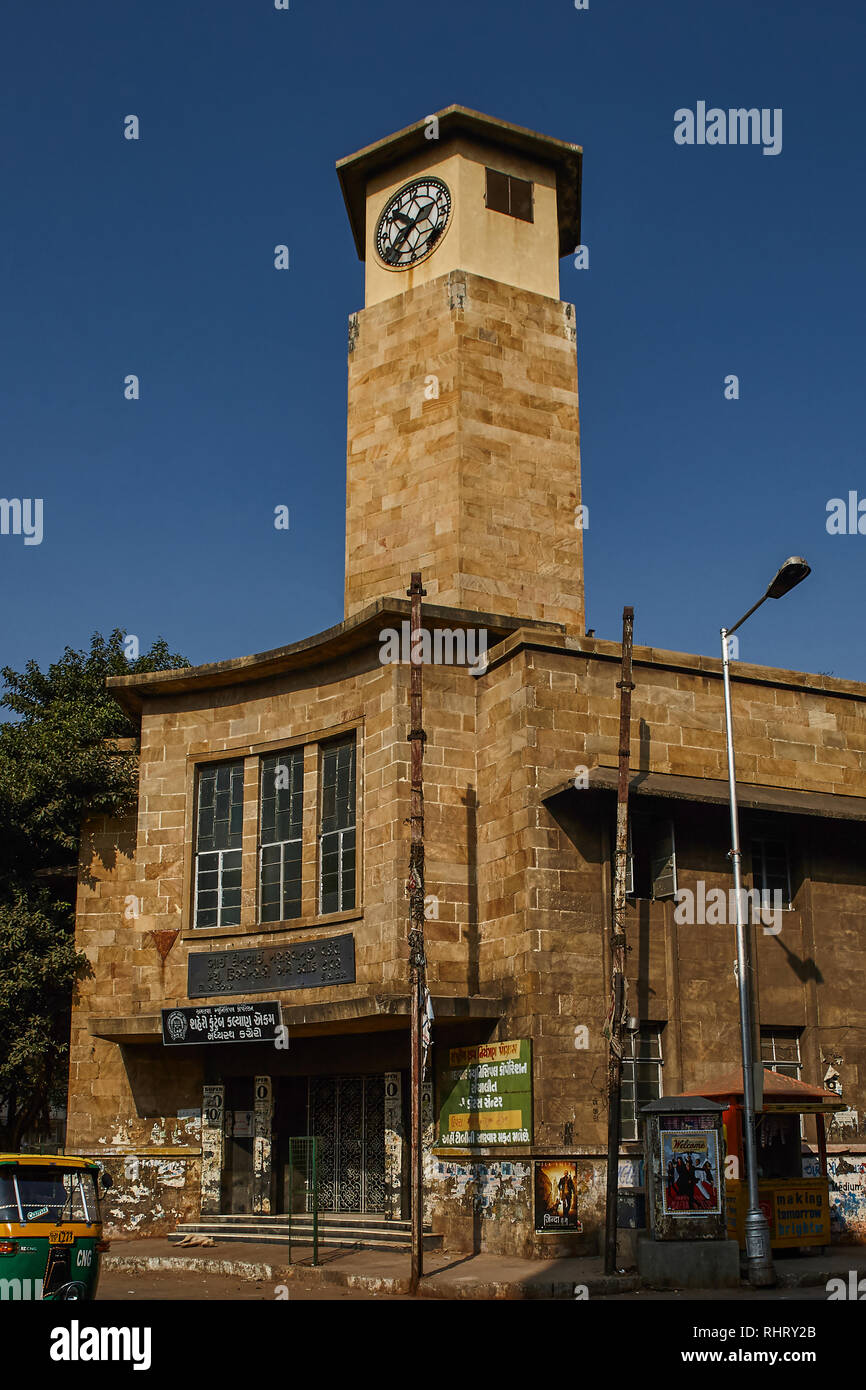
58 763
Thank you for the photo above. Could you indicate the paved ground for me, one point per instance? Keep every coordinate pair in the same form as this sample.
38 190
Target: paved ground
187 1286
807 1295
231 1269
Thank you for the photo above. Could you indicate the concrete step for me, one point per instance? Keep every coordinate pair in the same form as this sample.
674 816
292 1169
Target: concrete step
275 1231
329 1218
249 1229
331 1241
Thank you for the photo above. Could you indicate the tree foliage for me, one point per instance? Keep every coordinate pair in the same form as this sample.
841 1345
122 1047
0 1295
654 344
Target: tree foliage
57 765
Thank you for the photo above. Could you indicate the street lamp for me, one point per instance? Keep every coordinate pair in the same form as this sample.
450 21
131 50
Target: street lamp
759 1261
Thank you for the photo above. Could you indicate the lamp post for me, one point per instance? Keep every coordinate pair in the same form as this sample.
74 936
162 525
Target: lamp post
759 1261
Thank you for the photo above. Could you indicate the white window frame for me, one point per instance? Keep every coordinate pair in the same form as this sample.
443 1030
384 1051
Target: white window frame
327 835
270 844
771 1035
662 827
762 839
198 858
657 1030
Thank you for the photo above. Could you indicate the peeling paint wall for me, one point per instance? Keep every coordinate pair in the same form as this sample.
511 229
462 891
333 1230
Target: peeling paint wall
263 1145
155 1167
847 1174
487 1204
212 1144
152 1192
393 1144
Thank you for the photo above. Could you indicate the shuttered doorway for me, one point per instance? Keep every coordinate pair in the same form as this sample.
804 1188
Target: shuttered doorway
347 1114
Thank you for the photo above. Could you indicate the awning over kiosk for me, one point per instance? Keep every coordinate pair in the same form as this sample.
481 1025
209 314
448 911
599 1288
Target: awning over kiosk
782 1094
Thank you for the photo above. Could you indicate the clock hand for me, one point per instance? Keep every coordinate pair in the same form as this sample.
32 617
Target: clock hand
421 214
401 236
410 226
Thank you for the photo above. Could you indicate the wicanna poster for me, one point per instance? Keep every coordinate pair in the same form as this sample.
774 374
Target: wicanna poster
690 1172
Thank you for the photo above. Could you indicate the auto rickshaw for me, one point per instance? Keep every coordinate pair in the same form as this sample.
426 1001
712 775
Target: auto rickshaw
50 1227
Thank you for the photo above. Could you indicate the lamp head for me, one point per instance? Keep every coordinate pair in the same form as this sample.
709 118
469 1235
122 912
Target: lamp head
793 572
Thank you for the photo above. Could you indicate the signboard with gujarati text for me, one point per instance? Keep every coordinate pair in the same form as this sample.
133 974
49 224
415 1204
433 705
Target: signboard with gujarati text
485 1095
221 1023
299 965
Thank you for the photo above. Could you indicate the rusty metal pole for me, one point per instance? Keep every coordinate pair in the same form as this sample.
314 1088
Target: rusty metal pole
417 960
618 982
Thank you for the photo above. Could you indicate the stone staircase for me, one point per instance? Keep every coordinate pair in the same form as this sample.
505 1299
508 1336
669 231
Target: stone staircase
336 1229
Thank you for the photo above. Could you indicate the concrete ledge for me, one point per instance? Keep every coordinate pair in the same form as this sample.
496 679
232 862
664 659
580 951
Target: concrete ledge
451 1289
361 1014
689 1264
196 1264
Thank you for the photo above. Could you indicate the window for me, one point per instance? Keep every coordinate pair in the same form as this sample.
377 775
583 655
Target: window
219 828
337 830
276 870
507 194
281 823
771 872
43 1193
641 1076
651 871
780 1051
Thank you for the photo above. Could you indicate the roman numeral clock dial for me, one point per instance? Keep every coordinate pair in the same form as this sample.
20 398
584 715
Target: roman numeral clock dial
412 223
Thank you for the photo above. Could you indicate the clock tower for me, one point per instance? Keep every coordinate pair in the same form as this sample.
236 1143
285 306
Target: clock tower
463 436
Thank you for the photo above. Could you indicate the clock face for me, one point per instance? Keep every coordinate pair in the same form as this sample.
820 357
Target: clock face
413 222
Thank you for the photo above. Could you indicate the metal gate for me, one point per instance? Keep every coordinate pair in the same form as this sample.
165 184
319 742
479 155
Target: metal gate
347 1115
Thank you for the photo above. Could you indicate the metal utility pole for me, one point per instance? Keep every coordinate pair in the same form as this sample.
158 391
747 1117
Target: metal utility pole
417 959
618 982
759 1255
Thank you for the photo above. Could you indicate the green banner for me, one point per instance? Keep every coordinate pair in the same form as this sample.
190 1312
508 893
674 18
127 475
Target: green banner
485 1095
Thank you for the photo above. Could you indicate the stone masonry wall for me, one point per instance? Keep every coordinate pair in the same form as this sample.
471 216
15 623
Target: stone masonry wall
464 451
522 890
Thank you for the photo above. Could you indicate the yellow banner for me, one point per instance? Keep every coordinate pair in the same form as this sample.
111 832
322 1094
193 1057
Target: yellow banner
487 1120
486 1052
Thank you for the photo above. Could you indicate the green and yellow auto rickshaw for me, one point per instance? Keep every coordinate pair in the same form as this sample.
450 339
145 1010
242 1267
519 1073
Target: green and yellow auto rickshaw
50 1227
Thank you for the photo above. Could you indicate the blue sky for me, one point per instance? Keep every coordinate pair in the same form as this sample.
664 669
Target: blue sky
155 257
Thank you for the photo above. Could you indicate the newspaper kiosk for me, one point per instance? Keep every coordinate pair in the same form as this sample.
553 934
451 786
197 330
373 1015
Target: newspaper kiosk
797 1208
688 1245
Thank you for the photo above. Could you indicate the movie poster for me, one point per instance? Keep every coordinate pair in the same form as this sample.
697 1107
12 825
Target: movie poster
556 1196
690 1172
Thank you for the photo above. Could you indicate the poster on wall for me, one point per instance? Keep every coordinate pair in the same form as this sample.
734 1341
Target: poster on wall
556 1196
690 1172
485 1095
847 1175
